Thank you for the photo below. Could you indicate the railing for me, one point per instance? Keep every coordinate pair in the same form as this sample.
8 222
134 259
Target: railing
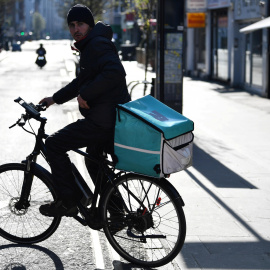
133 84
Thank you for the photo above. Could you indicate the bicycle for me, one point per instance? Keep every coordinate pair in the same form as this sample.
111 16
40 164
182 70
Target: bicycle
146 228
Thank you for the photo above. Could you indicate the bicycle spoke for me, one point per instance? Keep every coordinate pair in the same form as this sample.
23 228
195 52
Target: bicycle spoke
19 223
153 228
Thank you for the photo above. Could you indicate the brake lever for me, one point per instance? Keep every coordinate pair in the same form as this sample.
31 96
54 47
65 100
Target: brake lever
21 121
14 125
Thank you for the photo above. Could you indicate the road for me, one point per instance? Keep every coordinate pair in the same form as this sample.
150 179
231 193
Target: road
72 246
226 191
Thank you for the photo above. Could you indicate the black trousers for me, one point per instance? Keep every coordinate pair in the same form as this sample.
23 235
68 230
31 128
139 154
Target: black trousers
79 134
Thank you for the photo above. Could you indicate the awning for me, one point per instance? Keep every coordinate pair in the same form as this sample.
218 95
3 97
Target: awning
256 26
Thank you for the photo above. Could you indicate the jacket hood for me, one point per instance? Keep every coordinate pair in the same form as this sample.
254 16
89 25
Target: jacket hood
100 29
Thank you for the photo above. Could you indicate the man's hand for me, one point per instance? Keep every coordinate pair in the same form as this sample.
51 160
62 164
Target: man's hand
82 103
48 100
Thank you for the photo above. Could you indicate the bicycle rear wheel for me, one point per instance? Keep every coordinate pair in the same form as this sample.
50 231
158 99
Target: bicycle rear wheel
25 226
148 226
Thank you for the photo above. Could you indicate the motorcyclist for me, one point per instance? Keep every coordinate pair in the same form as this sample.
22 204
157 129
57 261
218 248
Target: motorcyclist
41 60
41 51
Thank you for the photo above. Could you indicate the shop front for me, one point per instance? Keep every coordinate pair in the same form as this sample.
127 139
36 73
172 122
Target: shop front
253 60
220 53
254 51
196 38
219 39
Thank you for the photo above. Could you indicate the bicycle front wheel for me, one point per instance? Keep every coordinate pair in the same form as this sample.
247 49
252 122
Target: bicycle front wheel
25 226
145 222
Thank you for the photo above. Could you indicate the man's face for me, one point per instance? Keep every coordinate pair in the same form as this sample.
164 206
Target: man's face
78 30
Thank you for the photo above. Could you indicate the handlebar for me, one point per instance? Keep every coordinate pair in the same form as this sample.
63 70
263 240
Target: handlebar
29 107
32 111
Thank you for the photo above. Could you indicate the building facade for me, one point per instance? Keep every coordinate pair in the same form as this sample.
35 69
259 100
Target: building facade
49 11
216 49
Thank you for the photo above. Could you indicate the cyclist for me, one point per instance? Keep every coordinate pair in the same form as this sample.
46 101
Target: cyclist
100 85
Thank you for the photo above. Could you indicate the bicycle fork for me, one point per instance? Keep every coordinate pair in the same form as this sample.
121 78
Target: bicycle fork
23 202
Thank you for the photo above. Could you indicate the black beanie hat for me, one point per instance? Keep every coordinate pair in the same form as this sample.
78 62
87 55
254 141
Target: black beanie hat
80 13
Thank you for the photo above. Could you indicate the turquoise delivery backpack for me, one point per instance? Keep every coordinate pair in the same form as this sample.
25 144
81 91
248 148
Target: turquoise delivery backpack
151 138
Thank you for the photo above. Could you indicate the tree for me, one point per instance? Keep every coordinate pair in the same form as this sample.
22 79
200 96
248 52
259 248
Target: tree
6 8
7 18
38 23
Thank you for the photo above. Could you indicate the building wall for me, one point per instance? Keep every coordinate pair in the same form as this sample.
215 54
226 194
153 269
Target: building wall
239 59
48 9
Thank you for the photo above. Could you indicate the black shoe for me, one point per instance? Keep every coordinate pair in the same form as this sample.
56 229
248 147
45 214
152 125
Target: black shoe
59 208
95 221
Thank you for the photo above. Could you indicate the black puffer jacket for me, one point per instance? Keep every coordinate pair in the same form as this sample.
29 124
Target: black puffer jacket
101 81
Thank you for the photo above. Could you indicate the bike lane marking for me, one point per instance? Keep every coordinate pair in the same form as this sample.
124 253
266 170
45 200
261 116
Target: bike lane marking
115 256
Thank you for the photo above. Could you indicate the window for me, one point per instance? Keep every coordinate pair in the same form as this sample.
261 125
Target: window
254 59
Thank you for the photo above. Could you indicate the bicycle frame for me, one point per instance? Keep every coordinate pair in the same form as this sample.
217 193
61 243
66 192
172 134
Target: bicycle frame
141 216
89 197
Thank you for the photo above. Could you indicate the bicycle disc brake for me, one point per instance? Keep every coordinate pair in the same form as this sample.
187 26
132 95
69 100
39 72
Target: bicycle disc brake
17 207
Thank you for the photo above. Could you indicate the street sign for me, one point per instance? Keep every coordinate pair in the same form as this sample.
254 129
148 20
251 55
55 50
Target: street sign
195 20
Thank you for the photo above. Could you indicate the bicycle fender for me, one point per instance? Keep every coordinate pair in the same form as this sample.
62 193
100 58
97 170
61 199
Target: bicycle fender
173 190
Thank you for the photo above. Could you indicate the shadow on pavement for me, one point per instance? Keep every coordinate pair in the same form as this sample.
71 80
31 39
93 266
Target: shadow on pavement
128 266
224 255
227 255
18 256
222 177
218 174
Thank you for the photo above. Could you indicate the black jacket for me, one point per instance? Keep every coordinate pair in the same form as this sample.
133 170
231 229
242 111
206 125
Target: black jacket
101 81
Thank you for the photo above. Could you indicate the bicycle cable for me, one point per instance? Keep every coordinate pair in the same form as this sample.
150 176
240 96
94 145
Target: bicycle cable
33 133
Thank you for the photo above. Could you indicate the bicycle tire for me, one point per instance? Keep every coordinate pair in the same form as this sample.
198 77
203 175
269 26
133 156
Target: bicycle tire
158 213
25 226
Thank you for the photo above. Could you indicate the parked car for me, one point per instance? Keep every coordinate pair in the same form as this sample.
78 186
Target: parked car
16 47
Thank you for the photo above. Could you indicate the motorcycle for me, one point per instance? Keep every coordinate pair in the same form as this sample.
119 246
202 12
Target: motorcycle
41 59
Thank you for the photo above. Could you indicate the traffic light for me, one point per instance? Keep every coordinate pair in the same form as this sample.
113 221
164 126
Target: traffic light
22 33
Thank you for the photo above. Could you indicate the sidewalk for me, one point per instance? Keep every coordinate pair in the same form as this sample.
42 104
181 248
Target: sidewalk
3 55
135 72
226 191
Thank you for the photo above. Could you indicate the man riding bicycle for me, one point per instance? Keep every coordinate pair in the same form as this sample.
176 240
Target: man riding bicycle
99 87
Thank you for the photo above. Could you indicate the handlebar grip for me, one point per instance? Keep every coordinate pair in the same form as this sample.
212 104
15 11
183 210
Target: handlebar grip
44 104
